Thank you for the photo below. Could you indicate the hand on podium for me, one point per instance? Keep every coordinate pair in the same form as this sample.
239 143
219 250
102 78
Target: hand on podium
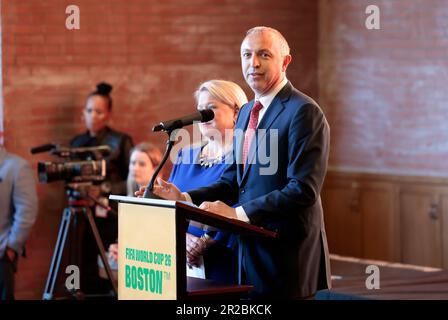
165 190
220 208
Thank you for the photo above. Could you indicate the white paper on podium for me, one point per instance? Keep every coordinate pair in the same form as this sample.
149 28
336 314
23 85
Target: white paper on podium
197 272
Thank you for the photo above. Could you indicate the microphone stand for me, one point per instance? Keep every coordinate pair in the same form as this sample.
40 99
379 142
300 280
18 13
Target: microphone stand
169 145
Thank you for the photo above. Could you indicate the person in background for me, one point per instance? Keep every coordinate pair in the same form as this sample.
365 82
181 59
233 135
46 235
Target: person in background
201 165
145 157
225 98
18 212
97 113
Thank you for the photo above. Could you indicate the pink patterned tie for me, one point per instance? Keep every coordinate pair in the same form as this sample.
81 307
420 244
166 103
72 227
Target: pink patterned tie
250 131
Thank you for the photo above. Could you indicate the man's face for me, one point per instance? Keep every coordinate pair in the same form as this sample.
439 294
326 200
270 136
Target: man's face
262 62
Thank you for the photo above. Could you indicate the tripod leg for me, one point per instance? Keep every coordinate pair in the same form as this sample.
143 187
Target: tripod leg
57 254
101 250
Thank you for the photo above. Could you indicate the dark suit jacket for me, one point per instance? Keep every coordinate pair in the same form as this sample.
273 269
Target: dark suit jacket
296 263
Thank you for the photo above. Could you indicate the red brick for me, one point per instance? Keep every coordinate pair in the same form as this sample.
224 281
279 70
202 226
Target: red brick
155 54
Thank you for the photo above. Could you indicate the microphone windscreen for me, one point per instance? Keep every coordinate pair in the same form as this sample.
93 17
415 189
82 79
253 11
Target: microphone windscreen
207 115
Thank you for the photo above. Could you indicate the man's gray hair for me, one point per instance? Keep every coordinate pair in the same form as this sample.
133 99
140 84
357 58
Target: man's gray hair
284 47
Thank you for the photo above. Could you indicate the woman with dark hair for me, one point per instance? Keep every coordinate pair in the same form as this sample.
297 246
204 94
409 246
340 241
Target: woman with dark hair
97 113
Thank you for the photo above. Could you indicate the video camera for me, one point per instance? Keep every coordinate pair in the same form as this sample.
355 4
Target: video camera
80 164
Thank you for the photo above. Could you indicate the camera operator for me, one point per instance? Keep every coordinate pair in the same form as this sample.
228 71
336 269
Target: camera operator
97 113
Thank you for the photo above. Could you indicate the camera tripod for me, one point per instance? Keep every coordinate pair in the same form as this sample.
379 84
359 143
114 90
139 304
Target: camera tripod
78 195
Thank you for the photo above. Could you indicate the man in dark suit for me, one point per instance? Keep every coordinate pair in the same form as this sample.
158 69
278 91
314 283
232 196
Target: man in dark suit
285 197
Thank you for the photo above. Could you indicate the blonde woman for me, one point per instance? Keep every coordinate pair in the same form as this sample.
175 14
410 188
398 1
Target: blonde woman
225 98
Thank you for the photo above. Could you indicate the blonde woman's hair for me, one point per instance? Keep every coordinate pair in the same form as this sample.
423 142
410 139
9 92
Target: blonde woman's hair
155 156
224 91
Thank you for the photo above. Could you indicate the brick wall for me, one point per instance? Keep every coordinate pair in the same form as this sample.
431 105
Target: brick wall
155 53
385 90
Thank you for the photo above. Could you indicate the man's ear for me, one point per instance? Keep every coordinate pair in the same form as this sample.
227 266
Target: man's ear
286 61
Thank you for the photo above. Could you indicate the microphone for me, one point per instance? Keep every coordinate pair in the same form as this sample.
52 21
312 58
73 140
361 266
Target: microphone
170 125
43 148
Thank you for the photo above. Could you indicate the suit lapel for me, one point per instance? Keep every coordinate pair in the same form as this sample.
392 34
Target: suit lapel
271 114
239 139
274 110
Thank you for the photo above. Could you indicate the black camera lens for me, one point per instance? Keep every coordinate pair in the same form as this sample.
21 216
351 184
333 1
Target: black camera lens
74 171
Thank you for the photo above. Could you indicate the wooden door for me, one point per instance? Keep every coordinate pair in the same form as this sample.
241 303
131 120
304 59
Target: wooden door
444 209
340 200
421 233
380 221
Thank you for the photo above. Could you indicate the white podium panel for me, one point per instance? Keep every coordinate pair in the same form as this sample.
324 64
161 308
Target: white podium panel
146 252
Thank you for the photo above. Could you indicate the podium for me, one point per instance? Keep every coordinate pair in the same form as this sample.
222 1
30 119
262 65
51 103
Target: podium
152 250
